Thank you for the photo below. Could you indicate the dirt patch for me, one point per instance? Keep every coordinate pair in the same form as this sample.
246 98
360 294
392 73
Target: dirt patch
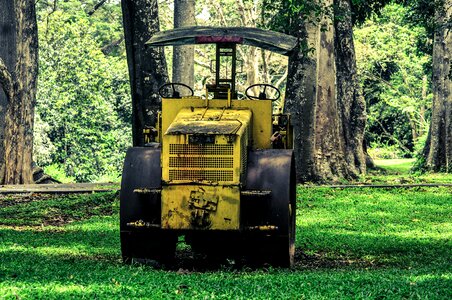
54 210
15 199
325 261
186 262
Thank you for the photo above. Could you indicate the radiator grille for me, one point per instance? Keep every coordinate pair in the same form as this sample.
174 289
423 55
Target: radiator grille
244 150
187 149
209 175
211 162
201 162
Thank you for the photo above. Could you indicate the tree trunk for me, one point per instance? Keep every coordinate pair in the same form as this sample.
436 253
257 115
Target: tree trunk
19 84
183 56
147 65
8 55
300 99
438 148
320 147
351 103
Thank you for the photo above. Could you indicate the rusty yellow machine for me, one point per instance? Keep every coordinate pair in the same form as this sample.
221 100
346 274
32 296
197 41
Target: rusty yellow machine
218 170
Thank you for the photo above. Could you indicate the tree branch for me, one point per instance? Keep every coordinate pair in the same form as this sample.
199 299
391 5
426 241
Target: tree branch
108 48
282 79
200 53
242 12
96 7
6 81
202 64
220 11
391 136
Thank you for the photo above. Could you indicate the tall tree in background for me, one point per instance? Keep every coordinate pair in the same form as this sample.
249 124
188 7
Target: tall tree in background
437 154
329 120
183 56
18 74
147 65
351 103
7 62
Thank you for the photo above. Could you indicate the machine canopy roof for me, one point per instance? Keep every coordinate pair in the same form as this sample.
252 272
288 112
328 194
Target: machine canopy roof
274 41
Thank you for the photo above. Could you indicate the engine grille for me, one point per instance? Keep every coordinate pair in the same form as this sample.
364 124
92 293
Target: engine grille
211 162
201 162
209 175
186 149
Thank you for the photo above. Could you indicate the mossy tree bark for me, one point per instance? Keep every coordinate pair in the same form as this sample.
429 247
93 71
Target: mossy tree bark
7 57
183 56
328 113
18 75
147 65
437 154
351 103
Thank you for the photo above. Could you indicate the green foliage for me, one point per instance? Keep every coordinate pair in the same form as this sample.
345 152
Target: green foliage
395 166
287 16
422 12
83 98
352 244
378 151
392 72
364 9
57 172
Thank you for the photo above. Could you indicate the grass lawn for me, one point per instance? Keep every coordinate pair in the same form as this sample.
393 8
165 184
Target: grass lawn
353 243
398 171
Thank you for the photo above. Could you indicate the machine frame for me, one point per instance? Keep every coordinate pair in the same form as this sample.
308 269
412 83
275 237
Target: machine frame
219 170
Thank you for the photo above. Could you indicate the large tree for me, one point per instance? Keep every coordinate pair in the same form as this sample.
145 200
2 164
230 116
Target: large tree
7 62
183 56
323 95
437 155
147 65
351 103
18 74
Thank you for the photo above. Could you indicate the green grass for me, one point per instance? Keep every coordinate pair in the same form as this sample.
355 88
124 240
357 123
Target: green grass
352 244
398 171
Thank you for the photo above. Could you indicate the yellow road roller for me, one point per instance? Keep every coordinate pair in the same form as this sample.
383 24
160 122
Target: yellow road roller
217 170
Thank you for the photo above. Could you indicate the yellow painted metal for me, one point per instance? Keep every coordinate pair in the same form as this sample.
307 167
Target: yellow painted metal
261 129
220 160
200 207
205 146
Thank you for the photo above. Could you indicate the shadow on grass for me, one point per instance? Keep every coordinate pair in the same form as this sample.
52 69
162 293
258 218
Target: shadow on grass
83 261
316 248
61 276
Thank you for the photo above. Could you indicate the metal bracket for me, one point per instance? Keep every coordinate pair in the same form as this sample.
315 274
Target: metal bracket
148 191
256 193
262 228
142 224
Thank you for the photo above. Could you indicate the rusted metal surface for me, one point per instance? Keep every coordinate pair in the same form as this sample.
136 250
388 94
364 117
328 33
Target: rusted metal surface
261 115
209 121
266 39
195 207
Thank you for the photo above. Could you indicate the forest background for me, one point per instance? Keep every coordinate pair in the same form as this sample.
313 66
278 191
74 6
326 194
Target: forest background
83 112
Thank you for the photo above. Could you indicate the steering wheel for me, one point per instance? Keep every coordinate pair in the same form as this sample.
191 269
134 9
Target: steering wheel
163 91
262 94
